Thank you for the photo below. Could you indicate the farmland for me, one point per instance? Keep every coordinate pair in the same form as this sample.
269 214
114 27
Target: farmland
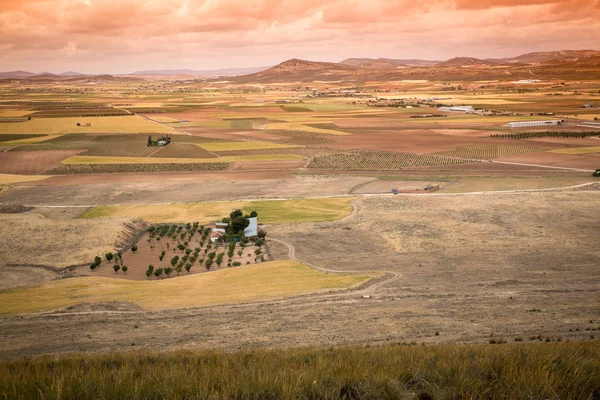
345 261
486 152
276 211
379 161
278 278
49 126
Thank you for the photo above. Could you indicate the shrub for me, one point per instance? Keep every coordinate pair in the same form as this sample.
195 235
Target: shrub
108 256
134 248
148 273
188 267
116 267
97 260
124 269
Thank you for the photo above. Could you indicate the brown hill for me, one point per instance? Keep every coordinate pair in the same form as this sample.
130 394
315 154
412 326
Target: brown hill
386 63
465 62
545 56
299 70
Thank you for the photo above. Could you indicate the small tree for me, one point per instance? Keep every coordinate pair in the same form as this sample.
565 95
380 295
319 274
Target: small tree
220 259
209 264
134 248
174 260
97 260
93 266
148 273
124 269
162 255
116 267
108 256
188 266
149 140
178 270
157 273
168 271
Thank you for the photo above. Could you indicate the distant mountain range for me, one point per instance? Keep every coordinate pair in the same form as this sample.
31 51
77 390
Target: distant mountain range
204 72
565 64
574 64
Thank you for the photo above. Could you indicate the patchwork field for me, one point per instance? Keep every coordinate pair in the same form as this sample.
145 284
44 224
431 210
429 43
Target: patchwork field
354 265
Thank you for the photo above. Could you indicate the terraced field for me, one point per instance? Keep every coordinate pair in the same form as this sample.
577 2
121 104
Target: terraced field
379 161
489 151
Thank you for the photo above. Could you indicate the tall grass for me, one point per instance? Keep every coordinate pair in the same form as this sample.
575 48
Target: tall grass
514 371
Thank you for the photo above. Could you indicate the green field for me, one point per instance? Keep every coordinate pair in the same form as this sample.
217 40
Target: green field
228 146
553 371
263 281
269 211
174 160
53 126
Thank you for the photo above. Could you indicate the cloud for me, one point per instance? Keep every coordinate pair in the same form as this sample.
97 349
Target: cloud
117 35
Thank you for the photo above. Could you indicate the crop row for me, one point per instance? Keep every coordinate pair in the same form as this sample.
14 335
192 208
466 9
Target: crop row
531 135
378 160
488 151
308 152
79 169
183 150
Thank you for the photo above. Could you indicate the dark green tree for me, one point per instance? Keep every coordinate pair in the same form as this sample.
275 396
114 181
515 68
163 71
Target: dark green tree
108 256
116 267
124 269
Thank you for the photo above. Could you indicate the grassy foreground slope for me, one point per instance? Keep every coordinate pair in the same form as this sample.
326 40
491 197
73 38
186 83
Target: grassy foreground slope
234 285
270 212
513 371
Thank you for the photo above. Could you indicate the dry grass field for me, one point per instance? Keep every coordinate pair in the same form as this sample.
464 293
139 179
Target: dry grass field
264 281
274 211
49 126
33 240
7 179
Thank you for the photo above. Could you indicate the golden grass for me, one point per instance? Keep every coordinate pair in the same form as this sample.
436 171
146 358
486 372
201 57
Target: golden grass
162 119
32 239
7 179
227 146
505 371
161 160
30 140
269 211
268 280
578 150
50 126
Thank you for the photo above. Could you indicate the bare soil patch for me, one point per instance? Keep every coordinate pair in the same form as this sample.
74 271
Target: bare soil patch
234 135
385 186
584 161
267 165
190 176
32 162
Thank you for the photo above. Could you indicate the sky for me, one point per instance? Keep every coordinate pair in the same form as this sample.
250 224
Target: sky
122 36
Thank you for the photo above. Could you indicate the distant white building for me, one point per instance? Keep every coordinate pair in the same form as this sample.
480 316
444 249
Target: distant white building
526 124
252 229
464 109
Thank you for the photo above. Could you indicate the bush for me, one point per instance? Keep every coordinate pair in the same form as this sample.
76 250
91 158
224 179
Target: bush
116 267
108 256
134 248
124 269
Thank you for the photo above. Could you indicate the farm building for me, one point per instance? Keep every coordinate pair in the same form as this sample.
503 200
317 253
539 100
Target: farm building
252 229
526 124
464 109
216 234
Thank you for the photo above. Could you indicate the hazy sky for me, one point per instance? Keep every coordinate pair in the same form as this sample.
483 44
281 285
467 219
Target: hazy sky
120 36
